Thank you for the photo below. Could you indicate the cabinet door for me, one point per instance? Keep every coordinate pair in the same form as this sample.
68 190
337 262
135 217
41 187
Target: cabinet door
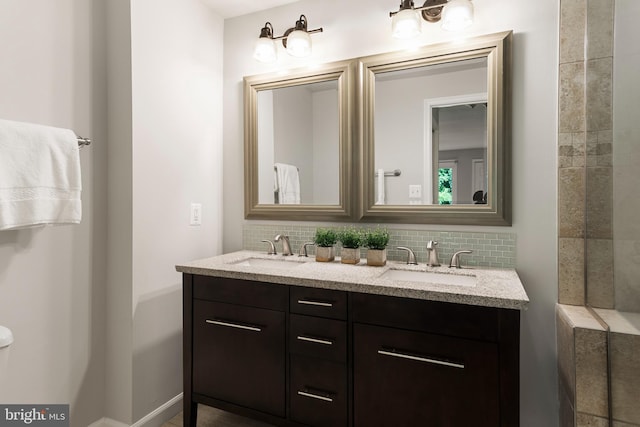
409 379
239 355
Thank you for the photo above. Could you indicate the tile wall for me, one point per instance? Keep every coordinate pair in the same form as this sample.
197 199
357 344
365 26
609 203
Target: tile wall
585 169
598 366
489 249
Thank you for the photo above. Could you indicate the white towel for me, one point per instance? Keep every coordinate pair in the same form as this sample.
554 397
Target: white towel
39 176
287 184
380 188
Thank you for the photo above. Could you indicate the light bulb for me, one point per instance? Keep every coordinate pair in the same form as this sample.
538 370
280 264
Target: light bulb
265 50
457 15
406 24
299 44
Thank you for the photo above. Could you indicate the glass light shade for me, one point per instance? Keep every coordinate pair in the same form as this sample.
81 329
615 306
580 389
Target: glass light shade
299 43
457 15
406 24
265 50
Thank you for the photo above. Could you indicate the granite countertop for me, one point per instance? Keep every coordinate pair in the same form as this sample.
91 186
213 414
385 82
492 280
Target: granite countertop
499 288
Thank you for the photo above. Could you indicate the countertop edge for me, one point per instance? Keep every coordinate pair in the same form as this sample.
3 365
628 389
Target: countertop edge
515 299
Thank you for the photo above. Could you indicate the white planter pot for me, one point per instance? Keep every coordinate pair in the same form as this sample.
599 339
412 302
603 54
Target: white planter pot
324 254
350 255
377 257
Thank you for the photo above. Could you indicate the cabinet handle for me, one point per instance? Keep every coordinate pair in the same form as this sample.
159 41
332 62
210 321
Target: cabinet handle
421 359
315 396
234 325
315 340
310 302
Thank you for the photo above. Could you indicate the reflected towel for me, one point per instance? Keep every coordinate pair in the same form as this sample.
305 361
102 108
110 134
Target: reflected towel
39 176
380 188
287 184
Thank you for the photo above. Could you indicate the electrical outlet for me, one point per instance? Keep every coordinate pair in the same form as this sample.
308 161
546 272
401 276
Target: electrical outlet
196 214
415 191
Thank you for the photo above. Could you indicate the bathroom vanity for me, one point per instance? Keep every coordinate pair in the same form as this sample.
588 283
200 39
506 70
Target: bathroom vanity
293 342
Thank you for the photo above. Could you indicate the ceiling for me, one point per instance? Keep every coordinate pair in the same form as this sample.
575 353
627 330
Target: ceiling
230 8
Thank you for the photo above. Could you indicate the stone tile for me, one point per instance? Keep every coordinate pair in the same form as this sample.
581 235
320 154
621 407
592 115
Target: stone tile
599 148
573 21
625 374
571 271
600 28
591 372
571 193
600 285
623 424
587 420
600 202
567 416
566 355
571 149
599 110
571 108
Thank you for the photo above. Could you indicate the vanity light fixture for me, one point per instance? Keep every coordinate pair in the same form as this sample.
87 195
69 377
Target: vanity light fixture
456 15
296 40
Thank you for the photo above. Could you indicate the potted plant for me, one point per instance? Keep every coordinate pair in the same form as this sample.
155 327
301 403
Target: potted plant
325 239
351 240
376 241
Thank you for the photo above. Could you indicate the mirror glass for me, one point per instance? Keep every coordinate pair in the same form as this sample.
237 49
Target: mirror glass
436 134
431 134
299 144
298 150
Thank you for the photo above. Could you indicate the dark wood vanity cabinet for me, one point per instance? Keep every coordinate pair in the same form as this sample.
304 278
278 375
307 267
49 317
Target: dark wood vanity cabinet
298 356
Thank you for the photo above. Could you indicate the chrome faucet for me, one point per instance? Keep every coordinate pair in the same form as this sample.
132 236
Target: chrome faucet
411 257
433 254
286 247
272 247
455 259
303 249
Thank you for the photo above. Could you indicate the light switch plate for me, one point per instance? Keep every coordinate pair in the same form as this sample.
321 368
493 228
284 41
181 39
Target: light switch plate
196 214
415 191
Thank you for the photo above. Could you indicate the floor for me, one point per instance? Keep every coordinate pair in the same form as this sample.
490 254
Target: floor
210 417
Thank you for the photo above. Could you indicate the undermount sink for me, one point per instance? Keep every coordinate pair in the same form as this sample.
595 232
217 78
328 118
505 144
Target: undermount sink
430 277
276 263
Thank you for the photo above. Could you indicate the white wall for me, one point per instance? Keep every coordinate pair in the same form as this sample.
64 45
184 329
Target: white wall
177 159
52 279
362 27
96 308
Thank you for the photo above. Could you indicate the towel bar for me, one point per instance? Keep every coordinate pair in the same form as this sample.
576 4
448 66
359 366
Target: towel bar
83 141
396 172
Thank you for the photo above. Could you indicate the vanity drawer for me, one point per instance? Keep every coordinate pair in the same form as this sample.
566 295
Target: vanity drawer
318 302
238 291
318 337
458 320
318 392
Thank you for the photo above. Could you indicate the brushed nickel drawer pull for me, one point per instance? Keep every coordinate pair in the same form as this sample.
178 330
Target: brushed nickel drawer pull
319 303
233 325
315 396
421 359
314 340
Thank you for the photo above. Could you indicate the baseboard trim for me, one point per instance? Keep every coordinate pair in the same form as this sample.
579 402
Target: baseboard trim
108 422
159 410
